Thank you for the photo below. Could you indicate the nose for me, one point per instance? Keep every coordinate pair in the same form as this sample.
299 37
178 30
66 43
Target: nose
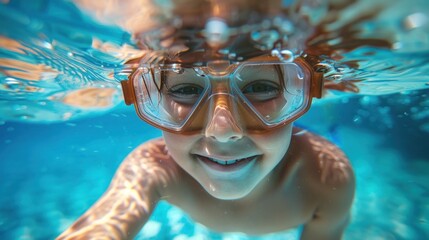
222 126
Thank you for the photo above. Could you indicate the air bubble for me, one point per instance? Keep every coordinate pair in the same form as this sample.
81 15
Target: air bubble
415 20
287 55
25 116
324 68
357 119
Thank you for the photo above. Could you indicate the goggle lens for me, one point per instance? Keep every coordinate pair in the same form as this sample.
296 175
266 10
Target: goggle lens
168 96
275 92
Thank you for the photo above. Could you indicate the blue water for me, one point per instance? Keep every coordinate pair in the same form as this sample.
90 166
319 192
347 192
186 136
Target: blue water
57 156
51 173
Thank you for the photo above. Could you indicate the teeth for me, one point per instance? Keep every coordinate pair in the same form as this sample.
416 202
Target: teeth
229 162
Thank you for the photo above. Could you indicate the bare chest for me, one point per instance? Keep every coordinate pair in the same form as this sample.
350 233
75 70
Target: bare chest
271 214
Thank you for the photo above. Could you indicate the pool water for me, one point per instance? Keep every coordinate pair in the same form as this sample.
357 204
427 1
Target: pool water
52 173
58 156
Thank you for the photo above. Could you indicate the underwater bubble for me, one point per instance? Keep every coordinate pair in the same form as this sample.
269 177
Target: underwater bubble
324 67
357 119
26 116
217 32
287 55
369 100
397 45
67 115
284 55
275 52
47 45
415 20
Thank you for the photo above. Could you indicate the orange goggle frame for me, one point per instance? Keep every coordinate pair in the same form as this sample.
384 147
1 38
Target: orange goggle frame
145 89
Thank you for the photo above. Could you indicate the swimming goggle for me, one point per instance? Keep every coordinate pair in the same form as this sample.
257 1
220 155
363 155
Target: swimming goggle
257 94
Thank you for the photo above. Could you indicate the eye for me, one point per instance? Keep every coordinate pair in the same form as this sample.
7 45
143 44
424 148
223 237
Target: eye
185 93
261 90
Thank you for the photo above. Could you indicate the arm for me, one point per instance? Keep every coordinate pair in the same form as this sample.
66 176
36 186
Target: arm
335 184
130 198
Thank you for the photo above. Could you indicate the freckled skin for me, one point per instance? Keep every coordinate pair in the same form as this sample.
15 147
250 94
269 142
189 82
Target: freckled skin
313 185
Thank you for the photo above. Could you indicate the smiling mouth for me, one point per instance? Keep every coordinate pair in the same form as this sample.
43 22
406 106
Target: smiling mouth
228 162
220 165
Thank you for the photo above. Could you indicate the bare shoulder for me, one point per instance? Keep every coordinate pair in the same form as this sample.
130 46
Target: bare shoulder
330 178
332 167
329 174
153 151
148 162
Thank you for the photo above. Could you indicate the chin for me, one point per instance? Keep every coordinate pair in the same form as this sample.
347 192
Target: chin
224 191
228 195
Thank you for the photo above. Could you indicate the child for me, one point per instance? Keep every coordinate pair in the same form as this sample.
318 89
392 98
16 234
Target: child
229 157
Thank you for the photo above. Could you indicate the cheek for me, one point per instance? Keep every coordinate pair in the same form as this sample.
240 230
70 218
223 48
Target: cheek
274 143
179 145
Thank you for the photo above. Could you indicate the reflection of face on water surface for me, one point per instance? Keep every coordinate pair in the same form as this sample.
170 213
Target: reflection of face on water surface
378 47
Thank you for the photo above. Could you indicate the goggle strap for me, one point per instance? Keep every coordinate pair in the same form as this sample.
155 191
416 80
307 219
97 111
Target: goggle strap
128 91
317 84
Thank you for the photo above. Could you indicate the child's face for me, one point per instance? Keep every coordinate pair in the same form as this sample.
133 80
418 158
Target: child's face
261 153
227 125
